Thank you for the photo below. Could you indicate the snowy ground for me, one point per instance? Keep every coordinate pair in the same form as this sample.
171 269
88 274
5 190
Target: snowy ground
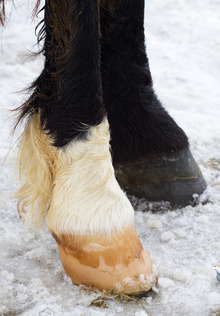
183 42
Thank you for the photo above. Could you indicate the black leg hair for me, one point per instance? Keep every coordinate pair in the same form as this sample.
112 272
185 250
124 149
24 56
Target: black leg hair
139 123
68 92
150 151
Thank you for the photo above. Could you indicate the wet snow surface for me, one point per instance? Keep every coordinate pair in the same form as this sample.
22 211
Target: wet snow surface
183 42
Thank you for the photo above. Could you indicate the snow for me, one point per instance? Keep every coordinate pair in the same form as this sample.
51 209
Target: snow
183 44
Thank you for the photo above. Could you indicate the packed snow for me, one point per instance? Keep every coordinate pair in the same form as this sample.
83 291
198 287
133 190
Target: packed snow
183 44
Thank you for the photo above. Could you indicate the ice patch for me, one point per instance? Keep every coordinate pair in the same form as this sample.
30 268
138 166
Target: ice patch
165 282
154 224
214 298
10 277
200 252
166 236
202 219
181 275
208 271
155 289
180 233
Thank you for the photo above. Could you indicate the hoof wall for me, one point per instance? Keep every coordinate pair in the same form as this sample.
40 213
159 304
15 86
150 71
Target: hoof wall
174 179
119 263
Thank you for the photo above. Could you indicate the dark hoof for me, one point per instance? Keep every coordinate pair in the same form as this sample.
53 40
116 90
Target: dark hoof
174 178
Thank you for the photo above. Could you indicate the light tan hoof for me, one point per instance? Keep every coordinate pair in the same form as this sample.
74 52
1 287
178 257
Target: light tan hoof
117 263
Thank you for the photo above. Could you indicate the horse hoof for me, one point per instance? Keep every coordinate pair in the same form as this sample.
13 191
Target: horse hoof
91 219
118 263
175 178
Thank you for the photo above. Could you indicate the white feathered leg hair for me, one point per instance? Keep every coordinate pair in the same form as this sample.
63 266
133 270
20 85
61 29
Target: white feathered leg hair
89 216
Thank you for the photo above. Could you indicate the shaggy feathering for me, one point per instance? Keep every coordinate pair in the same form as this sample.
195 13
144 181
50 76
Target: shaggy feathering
87 199
37 165
76 184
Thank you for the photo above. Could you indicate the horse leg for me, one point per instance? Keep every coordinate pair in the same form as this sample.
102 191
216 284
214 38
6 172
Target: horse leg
151 152
66 163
